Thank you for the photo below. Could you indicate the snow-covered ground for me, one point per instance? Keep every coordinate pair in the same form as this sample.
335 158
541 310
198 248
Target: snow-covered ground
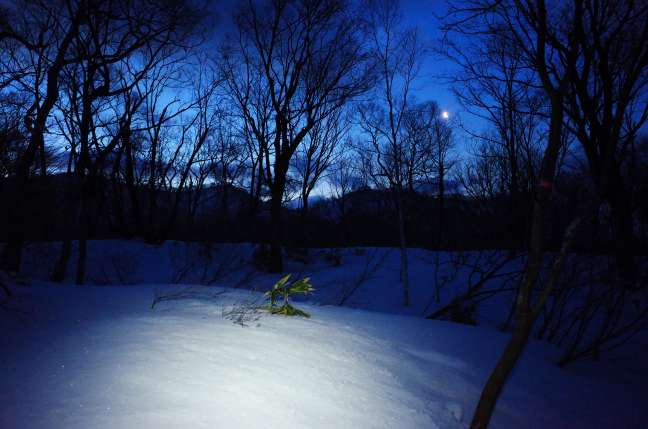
100 357
368 277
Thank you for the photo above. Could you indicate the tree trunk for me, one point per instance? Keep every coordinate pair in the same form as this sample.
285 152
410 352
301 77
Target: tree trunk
344 220
225 204
525 315
153 230
303 222
88 211
129 175
64 257
256 187
276 260
58 275
304 210
441 204
498 377
81 261
623 234
515 218
404 270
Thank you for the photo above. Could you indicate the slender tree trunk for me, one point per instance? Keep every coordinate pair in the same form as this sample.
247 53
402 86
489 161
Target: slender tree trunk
498 377
130 183
344 219
304 210
153 230
153 235
515 218
276 260
64 257
256 186
509 318
118 201
90 207
441 204
83 235
404 270
58 275
303 221
525 316
225 204
81 261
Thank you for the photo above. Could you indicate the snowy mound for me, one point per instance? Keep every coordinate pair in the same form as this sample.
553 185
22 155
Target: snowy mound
100 357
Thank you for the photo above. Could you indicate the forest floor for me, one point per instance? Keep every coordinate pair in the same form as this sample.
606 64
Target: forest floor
98 356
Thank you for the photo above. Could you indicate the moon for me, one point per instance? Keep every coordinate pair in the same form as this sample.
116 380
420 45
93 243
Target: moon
445 114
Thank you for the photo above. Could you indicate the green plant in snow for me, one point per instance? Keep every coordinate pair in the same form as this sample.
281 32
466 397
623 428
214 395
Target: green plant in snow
280 296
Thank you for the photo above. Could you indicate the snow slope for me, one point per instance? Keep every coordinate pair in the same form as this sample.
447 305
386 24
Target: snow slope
99 357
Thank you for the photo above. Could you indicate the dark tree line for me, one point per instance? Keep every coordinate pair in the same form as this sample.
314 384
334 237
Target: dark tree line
80 65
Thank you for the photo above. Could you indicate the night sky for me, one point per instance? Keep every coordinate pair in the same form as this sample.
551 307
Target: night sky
423 14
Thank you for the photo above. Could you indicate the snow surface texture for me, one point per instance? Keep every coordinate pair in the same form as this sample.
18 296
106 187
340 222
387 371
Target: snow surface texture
100 357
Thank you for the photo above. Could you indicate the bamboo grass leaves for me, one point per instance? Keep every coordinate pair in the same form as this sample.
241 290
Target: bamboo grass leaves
281 292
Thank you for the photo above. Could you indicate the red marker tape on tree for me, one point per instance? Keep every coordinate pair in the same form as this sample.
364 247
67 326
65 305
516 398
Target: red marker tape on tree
545 184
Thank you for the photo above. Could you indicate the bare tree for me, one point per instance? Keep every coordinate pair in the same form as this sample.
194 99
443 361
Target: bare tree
397 52
496 84
120 45
41 35
228 155
95 40
587 56
341 181
607 103
199 126
291 66
316 155
160 119
529 27
427 158
479 175
12 133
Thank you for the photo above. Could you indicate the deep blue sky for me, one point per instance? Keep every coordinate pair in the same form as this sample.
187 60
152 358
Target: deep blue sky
419 13
422 14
